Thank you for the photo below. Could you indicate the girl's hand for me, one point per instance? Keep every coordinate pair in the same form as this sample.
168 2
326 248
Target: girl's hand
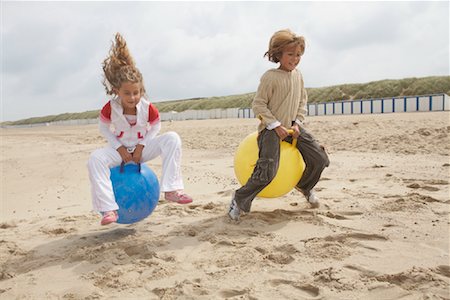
126 157
296 129
281 132
137 154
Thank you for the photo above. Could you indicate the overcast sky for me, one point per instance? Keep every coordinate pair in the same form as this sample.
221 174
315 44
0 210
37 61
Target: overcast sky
51 52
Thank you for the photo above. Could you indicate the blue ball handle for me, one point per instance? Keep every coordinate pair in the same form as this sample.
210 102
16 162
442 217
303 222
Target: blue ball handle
122 167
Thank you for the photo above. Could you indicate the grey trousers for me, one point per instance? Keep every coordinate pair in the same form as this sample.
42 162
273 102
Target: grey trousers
315 157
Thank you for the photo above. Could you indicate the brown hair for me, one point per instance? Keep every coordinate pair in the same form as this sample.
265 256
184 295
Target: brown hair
119 67
280 40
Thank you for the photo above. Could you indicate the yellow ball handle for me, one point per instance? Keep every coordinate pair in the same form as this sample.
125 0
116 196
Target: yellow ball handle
294 141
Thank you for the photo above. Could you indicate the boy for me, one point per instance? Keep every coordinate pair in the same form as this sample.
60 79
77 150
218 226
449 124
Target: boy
280 104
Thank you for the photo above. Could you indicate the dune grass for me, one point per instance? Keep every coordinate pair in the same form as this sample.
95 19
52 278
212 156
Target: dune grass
370 90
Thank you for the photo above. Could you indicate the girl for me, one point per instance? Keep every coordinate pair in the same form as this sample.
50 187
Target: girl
280 104
130 124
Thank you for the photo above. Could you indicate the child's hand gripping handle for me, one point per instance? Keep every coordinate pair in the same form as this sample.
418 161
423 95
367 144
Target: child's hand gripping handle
122 166
294 140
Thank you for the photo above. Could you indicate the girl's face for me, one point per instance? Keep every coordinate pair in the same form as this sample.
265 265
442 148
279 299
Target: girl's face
130 94
290 57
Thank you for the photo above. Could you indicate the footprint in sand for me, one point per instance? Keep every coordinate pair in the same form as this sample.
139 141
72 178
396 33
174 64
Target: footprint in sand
208 207
57 231
333 278
341 215
362 236
6 225
331 215
186 289
318 249
10 249
418 278
233 293
443 270
362 271
261 250
280 258
281 215
430 188
169 209
424 187
421 198
426 184
143 251
225 193
339 246
306 290
410 202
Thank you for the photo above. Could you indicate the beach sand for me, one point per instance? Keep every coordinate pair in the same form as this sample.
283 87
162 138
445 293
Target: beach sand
381 232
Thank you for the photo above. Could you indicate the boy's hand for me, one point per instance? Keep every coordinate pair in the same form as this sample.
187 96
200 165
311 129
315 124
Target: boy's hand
296 129
126 157
137 154
281 132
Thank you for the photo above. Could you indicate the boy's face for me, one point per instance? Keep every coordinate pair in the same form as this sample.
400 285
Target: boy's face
290 57
130 94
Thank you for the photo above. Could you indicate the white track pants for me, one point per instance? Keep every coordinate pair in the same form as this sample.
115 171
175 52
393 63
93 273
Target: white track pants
167 145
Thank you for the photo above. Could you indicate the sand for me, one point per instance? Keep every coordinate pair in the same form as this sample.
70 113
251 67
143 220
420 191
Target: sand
381 232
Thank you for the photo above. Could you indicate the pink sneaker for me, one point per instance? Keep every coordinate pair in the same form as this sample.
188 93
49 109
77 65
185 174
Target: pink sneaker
178 197
109 217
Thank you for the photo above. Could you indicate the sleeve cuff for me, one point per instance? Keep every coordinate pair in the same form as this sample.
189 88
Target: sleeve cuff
273 125
299 123
116 145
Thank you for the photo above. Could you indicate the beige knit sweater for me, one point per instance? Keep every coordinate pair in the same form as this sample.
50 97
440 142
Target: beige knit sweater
281 96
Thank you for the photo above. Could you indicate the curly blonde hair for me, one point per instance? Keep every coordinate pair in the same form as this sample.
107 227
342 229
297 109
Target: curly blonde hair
280 40
119 67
